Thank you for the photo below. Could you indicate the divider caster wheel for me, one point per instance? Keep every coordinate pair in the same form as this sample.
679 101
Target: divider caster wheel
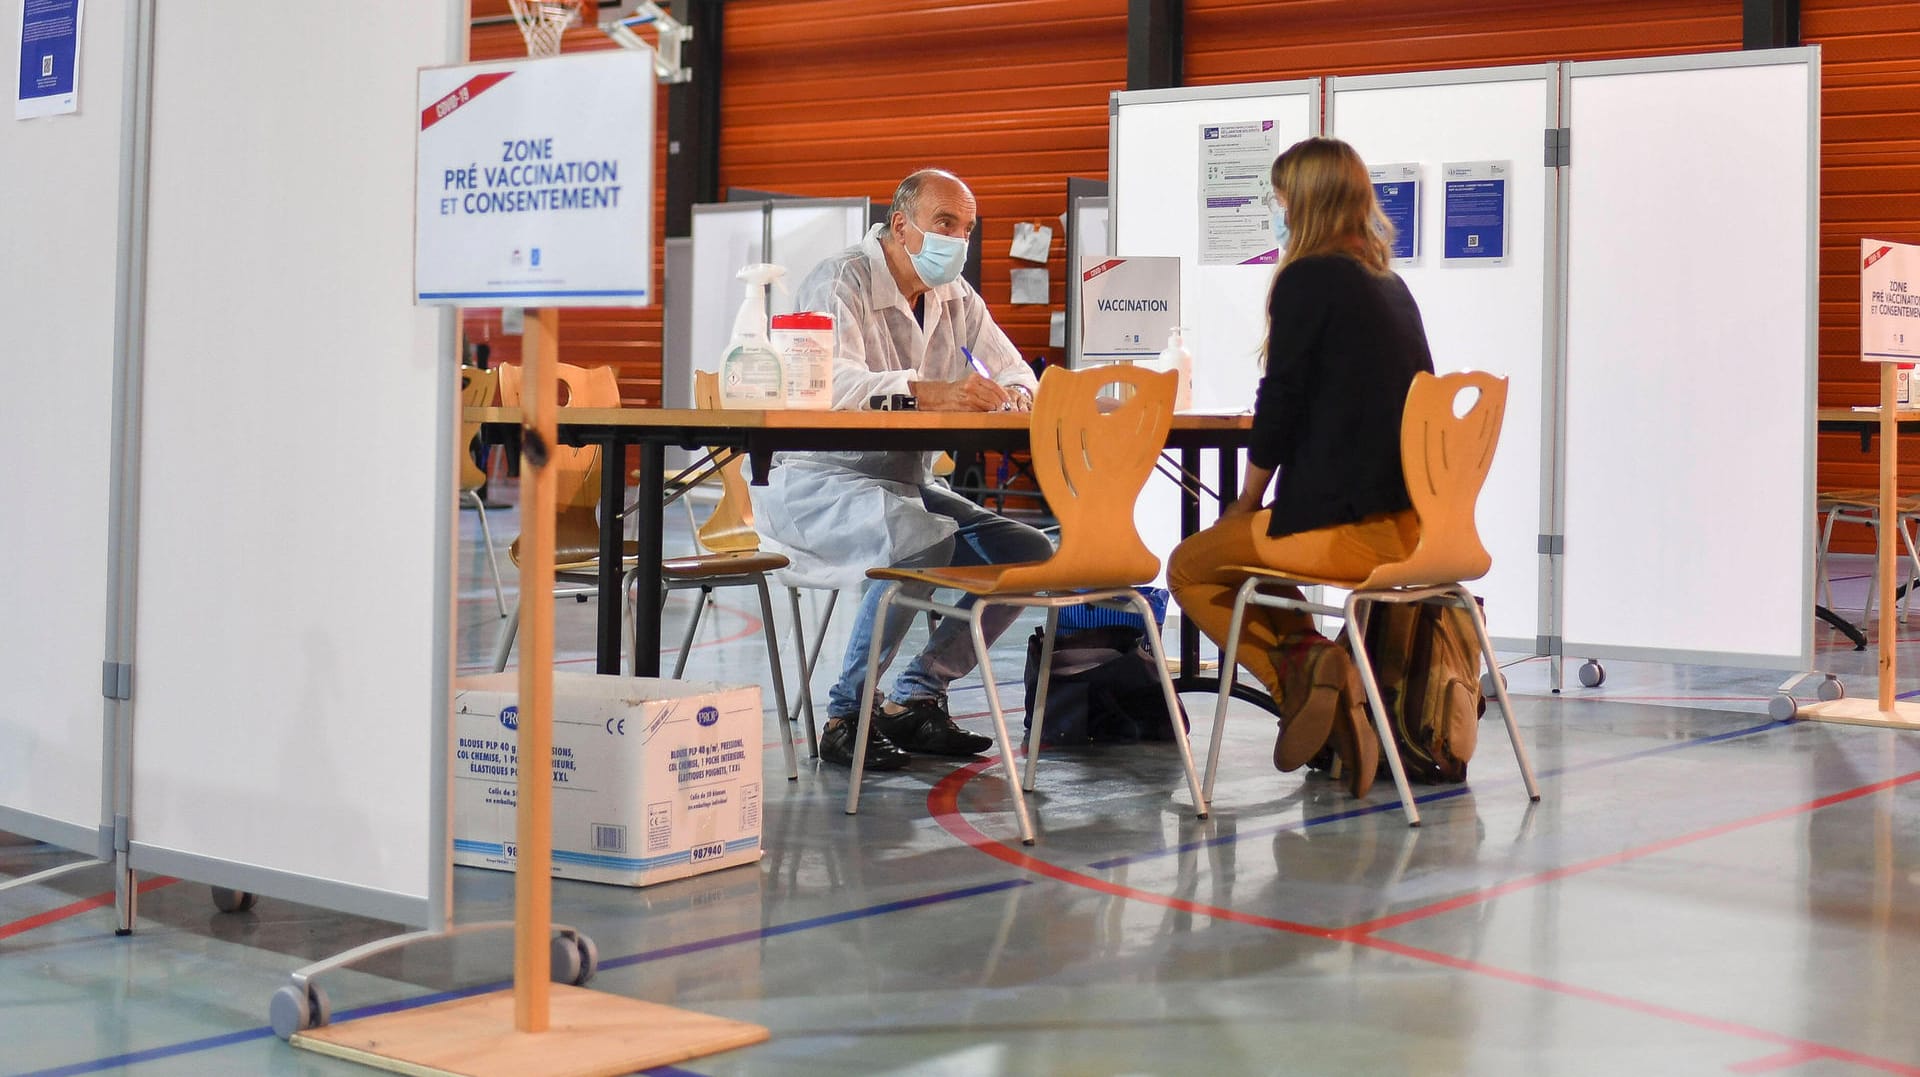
575 959
293 1010
1782 707
233 900
1487 686
1592 674
1832 688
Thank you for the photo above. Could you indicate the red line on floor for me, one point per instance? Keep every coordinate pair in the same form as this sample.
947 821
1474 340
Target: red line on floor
1479 896
64 912
943 803
1793 1056
943 800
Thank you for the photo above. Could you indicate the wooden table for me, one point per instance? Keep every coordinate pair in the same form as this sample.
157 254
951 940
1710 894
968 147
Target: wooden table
760 434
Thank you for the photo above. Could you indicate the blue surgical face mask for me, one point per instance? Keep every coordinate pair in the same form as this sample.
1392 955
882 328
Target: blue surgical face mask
1277 216
941 258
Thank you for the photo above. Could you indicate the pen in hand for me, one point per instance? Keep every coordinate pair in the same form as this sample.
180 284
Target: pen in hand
980 368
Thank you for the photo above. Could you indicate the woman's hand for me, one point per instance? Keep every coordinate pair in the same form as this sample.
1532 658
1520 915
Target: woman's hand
1239 506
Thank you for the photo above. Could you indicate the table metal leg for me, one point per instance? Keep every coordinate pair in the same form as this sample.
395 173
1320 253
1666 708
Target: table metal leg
1189 524
613 487
650 513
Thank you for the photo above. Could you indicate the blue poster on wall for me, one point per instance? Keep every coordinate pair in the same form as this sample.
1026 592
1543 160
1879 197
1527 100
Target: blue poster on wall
49 58
1397 188
1476 209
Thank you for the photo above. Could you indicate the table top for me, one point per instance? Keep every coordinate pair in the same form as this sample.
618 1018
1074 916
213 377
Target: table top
766 431
791 419
1848 416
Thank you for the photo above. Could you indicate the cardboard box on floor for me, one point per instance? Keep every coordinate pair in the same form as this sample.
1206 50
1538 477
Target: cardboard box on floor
653 779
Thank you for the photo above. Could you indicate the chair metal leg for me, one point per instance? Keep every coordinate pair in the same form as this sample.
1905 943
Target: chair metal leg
973 615
1037 706
866 698
486 540
1228 668
1180 737
1389 747
693 626
504 646
1826 577
1465 599
1906 583
779 678
809 657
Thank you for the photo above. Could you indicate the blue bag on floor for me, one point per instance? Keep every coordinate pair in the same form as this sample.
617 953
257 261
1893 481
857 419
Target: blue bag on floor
1104 688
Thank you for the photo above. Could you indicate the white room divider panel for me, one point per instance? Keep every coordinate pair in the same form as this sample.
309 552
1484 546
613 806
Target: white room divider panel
294 613
1153 208
799 233
1483 317
62 177
1691 358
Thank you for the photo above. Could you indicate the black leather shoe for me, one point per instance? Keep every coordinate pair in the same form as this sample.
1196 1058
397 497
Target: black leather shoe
836 745
925 726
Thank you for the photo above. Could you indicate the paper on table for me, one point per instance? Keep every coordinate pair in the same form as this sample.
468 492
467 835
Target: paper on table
1031 242
1030 286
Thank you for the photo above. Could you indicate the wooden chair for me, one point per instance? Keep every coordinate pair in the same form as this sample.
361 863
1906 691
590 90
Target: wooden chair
576 529
1446 457
477 388
1091 465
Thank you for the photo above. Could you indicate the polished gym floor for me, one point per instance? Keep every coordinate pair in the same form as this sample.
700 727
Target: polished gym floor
1701 890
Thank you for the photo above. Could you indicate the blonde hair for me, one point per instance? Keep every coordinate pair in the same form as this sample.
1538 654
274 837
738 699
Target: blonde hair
1330 204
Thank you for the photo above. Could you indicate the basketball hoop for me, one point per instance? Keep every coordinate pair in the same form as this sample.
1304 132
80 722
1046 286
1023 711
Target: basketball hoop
542 22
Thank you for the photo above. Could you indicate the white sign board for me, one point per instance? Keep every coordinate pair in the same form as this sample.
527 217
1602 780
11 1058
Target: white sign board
1127 305
527 196
1889 301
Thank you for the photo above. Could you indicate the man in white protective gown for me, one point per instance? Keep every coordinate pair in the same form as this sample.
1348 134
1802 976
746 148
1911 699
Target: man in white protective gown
905 323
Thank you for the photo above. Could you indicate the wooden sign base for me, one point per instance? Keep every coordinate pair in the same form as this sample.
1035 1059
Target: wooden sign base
1852 711
590 1035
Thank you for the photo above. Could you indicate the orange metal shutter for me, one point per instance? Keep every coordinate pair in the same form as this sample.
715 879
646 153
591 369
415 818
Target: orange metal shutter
845 97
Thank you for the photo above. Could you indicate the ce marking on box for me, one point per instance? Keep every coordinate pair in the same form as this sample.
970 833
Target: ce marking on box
617 727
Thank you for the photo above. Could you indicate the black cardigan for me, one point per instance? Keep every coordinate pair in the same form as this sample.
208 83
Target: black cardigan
1343 345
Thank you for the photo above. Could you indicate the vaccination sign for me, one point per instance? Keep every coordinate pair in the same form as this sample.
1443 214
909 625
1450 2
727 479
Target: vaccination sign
1889 301
1127 305
534 182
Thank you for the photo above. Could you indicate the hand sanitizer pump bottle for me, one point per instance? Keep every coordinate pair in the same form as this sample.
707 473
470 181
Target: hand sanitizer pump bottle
1176 357
751 374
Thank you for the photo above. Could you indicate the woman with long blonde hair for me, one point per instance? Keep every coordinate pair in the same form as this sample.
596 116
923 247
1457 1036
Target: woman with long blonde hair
1344 340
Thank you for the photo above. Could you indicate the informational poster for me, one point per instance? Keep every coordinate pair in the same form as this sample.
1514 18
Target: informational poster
1236 168
1477 205
1127 306
49 58
525 198
1397 188
1889 301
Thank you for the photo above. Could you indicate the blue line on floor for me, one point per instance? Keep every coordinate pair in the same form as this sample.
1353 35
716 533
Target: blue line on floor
228 1039
1429 798
154 1054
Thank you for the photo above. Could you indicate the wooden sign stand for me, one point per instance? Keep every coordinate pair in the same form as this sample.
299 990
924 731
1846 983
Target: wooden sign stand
536 1028
1885 710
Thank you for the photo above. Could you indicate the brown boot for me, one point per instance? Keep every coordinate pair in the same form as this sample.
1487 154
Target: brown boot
1354 740
1314 677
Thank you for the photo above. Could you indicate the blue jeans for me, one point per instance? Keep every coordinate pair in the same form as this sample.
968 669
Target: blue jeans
984 538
